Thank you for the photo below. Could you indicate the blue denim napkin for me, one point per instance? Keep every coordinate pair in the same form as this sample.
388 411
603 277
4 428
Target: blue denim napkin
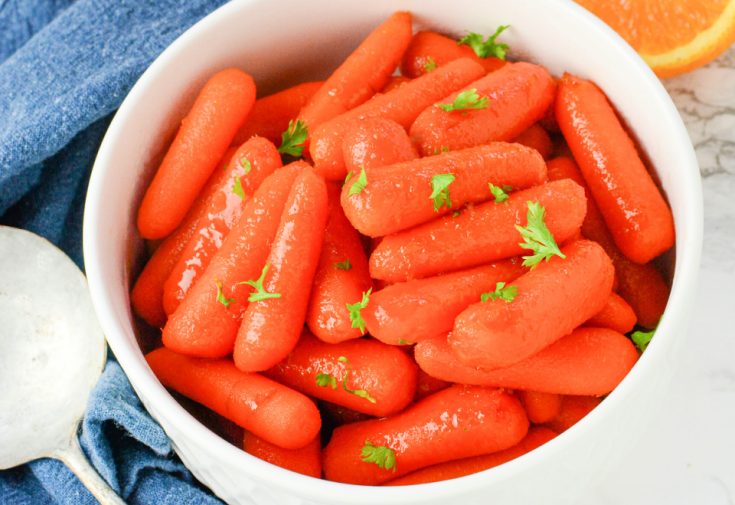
65 66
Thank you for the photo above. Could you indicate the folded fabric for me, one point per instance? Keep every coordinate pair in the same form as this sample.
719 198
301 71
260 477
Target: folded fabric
65 67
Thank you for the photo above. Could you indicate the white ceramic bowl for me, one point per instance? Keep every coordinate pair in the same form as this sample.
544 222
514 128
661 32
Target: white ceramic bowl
286 41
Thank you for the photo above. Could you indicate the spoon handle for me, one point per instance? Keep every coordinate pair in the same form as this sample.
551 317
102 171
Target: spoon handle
73 457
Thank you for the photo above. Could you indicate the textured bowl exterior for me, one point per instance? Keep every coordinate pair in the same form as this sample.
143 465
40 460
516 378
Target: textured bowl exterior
308 39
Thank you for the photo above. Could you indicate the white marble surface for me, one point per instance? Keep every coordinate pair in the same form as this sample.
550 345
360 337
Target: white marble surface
687 456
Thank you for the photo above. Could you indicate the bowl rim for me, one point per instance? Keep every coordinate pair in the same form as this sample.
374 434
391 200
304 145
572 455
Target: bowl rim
134 365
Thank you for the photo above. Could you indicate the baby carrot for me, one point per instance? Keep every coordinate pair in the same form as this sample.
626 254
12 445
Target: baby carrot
205 134
633 208
551 301
402 105
270 114
375 142
400 196
336 415
147 294
642 286
573 409
272 323
427 385
588 361
458 422
540 407
451 243
536 437
363 375
429 50
362 74
408 312
255 160
508 101
341 277
536 138
271 411
394 82
616 315
306 460
205 323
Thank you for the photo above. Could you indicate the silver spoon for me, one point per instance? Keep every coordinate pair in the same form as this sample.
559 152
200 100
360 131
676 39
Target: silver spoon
52 352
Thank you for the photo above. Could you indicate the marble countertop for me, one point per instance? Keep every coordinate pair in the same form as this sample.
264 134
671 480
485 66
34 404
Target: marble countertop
687 456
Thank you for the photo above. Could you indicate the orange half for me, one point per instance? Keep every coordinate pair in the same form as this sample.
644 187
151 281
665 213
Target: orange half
672 36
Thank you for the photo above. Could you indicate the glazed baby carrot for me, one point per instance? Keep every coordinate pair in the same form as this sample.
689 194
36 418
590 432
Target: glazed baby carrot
536 138
363 375
642 286
429 50
255 160
272 323
270 114
341 278
408 312
458 422
427 385
573 409
588 361
540 407
205 134
271 411
362 74
498 106
616 315
548 302
375 142
205 323
633 208
451 243
536 437
394 82
306 460
388 199
402 105
147 294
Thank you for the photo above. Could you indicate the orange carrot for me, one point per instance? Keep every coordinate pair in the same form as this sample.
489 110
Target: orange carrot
395 81
306 460
427 385
271 411
402 105
458 422
536 137
270 114
363 375
271 326
551 301
336 415
450 243
633 208
408 312
540 407
147 294
375 142
205 134
341 277
517 96
573 409
255 160
616 315
536 437
588 361
362 74
399 196
205 324
429 50
642 286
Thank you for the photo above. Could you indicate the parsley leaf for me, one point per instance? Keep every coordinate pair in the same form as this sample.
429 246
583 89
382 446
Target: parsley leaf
343 265
429 65
246 165
486 48
357 392
237 188
465 100
355 308
326 380
402 341
260 293
641 339
498 192
537 237
382 456
221 298
292 140
440 190
359 184
501 292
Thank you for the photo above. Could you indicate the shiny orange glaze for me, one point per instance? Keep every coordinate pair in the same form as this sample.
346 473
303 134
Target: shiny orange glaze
375 142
